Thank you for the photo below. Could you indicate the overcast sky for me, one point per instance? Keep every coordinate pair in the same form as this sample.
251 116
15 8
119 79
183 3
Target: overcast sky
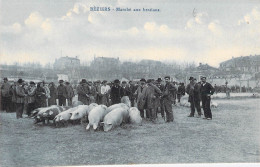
183 31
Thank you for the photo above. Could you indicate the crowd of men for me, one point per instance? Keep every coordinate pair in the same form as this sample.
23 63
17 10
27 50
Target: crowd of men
149 96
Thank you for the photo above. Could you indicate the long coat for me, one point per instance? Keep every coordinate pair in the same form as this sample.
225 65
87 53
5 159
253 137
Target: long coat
40 97
169 93
31 94
20 94
141 99
151 94
53 96
69 92
116 94
5 89
83 93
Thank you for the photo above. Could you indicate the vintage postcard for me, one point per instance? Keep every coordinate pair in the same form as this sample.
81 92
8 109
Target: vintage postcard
129 82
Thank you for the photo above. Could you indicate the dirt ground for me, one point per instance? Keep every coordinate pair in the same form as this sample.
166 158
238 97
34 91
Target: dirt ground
232 136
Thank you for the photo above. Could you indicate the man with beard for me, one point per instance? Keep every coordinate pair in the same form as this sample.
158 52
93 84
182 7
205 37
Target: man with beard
116 92
168 98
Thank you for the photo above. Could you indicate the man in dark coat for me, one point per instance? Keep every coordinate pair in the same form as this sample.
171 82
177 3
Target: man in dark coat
69 93
6 95
193 90
20 95
181 91
161 87
61 93
116 92
53 94
125 89
206 90
168 98
83 92
152 93
31 98
132 89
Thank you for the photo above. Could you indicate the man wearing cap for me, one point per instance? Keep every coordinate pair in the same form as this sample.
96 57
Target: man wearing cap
105 91
193 90
20 94
69 93
168 98
141 99
116 92
31 98
83 92
206 90
6 96
61 93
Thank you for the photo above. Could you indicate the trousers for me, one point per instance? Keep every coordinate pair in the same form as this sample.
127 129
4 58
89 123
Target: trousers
206 106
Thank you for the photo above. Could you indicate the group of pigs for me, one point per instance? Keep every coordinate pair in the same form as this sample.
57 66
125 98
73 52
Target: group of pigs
96 115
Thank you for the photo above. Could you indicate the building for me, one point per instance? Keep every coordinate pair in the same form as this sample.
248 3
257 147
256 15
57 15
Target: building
106 68
244 64
68 66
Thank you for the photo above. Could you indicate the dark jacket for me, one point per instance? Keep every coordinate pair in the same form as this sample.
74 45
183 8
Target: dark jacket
151 94
116 94
61 91
20 94
169 93
83 93
206 89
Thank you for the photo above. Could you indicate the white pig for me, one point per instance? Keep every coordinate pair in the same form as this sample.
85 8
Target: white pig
134 115
126 100
115 118
84 119
119 105
80 112
96 115
76 103
64 116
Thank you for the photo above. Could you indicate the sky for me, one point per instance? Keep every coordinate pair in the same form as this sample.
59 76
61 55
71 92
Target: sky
182 31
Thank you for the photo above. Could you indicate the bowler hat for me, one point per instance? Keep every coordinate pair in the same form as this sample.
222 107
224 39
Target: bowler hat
191 78
116 81
32 83
159 79
104 81
20 80
142 80
5 79
61 81
167 77
84 81
202 77
123 82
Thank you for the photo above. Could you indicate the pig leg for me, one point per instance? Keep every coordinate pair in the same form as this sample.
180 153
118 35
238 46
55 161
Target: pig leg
88 126
95 126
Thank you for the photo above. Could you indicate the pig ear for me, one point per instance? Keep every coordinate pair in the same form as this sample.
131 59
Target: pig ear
110 124
102 123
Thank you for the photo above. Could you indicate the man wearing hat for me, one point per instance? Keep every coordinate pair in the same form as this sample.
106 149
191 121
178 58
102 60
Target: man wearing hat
141 98
152 93
168 98
31 98
161 87
69 93
126 89
181 91
83 92
206 90
20 94
116 92
6 96
61 93
192 90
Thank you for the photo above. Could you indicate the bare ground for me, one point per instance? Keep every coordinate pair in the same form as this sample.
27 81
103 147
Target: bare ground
232 136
